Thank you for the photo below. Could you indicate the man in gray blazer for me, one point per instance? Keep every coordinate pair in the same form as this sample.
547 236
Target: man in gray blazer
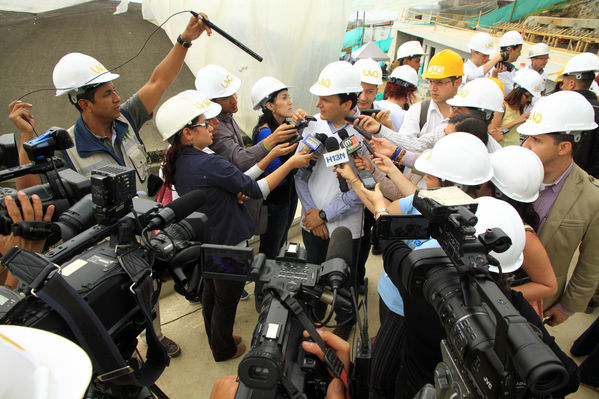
568 203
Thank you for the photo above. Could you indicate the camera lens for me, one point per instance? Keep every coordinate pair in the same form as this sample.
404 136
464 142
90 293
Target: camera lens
259 373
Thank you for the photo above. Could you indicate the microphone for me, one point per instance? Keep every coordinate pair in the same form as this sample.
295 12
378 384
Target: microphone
331 145
315 142
352 145
177 210
338 260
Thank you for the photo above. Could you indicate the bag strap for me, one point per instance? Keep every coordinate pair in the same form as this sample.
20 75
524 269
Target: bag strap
424 106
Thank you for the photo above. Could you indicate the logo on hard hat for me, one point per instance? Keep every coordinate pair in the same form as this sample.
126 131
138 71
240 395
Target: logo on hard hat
228 80
463 93
489 45
203 105
435 70
536 117
98 68
324 82
374 74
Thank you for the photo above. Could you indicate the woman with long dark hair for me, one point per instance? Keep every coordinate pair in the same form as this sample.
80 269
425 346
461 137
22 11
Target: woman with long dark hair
272 97
187 121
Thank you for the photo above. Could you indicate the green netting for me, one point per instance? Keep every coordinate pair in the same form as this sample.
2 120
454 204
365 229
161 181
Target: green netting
523 8
352 37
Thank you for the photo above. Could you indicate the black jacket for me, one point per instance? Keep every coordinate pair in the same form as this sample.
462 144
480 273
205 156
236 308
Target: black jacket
587 154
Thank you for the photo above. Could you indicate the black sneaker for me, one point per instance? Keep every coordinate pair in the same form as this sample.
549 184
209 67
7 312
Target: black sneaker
171 347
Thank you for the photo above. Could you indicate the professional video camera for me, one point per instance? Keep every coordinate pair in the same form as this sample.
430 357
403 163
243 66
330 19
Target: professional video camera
102 294
293 292
490 350
64 188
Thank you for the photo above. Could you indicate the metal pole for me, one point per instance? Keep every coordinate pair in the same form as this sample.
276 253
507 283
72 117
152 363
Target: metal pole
513 8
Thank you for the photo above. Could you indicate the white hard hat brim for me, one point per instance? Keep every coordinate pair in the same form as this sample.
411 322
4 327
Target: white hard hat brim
213 111
424 165
458 101
55 357
263 101
321 91
102 78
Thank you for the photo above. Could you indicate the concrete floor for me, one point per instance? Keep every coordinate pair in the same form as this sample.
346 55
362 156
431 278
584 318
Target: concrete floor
192 374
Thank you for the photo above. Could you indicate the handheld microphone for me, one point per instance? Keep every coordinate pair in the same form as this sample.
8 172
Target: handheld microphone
352 145
316 145
332 145
177 210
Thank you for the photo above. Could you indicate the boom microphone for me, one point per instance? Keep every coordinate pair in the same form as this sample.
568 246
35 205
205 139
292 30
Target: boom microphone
340 241
177 210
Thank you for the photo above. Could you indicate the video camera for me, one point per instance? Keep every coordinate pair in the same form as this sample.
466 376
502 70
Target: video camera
490 350
63 189
293 297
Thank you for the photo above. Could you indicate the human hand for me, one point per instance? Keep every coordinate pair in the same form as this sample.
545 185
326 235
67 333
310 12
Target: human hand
368 124
522 118
384 118
374 196
336 389
312 219
30 211
20 114
282 149
555 316
282 133
345 171
195 27
225 387
384 163
301 158
363 163
298 115
382 146
321 231
241 197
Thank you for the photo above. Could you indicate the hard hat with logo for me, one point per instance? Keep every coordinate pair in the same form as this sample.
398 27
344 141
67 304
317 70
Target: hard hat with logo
40 364
458 157
538 50
370 71
583 62
492 212
562 112
76 70
178 111
403 75
337 78
511 38
214 81
264 88
482 42
530 80
443 65
517 172
481 93
410 49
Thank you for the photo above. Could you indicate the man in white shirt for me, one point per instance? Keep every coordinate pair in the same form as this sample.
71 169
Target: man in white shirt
511 47
480 64
539 56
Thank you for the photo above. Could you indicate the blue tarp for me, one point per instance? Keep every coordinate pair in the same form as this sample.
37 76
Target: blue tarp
352 37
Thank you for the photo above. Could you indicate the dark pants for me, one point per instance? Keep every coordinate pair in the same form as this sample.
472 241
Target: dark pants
219 302
386 353
588 344
365 245
280 217
316 252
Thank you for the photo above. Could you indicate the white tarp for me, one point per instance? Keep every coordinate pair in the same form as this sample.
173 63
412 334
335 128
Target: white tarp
37 6
295 38
370 50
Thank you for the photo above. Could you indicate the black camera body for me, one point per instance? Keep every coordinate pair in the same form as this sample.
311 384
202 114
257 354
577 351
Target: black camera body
491 351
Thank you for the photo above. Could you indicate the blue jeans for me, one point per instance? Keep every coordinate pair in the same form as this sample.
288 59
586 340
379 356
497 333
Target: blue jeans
316 251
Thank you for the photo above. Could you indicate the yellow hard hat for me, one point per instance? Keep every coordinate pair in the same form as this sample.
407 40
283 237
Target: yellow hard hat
499 83
445 64
560 75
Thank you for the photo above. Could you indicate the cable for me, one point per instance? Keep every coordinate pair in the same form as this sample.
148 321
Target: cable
182 316
110 69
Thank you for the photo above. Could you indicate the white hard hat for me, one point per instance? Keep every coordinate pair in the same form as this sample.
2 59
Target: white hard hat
481 93
410 49
530 80
337 78
491 213
264 88
39 364
538 49
562 112
76 70
370 71
458 157
178 111
404 73
214 81
511 38
517 172
583 62
482 42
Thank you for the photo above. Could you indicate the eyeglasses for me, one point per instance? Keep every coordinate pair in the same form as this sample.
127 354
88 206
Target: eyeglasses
528 95
437 82
205 124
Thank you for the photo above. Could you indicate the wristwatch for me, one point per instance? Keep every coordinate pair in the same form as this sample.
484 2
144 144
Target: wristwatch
322 215
183 43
